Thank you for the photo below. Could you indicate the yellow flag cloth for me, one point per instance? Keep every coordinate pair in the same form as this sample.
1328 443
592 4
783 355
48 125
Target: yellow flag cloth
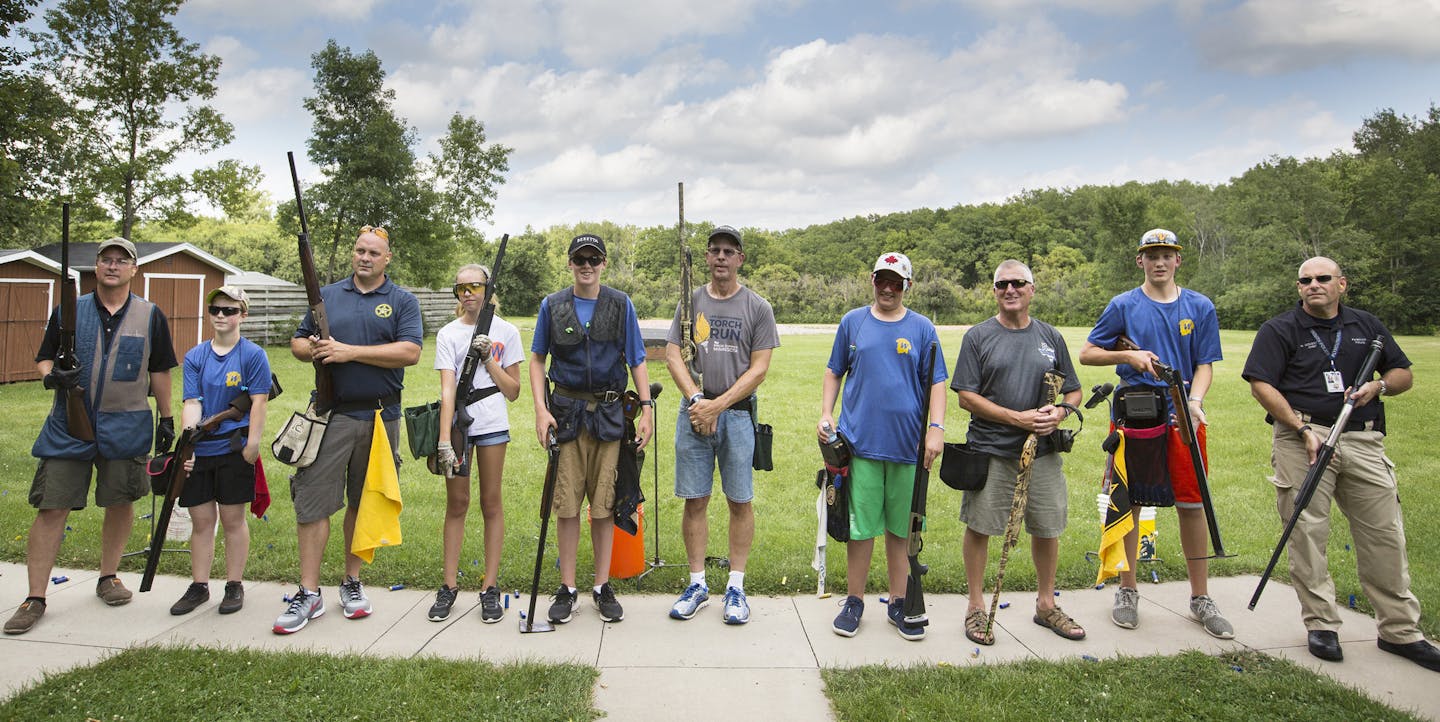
1117 522
377 523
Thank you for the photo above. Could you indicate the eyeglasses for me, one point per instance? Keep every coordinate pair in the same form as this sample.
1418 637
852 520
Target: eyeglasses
377 230
726 252
224 310
1016 283
587 260
121 261
1305 280
895 285
472 287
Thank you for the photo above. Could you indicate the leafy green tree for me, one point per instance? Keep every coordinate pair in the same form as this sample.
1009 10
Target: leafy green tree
127 71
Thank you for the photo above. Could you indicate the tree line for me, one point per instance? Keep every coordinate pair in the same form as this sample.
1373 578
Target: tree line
99 125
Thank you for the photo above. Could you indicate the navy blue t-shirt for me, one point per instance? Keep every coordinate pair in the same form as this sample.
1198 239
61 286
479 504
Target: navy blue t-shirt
385 315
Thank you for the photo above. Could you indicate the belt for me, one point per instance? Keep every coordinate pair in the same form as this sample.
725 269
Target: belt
747 404
1330 422
380 403
593 399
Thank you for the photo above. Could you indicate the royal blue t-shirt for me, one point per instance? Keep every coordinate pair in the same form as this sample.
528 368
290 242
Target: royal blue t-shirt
881 364
1183 333
216 380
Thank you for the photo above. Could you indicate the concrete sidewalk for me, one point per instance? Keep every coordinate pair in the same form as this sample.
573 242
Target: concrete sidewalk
651 665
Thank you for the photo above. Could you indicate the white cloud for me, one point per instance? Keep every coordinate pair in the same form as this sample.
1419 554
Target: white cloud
234 53
1273 36
267 13
261 95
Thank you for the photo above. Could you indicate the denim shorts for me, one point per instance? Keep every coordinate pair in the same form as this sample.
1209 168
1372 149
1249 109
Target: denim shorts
732 446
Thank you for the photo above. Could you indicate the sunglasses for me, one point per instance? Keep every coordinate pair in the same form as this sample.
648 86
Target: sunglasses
726 252
895 285
224 310
1016 283
587 260
471 287
377 230
1305 280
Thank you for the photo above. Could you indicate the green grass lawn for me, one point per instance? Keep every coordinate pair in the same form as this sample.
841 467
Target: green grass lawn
780 563
1237 686
168 683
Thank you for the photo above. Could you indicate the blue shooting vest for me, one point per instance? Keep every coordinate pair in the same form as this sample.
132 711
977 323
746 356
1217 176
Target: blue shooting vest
588 358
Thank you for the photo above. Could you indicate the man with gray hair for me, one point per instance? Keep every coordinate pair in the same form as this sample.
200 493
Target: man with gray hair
998 375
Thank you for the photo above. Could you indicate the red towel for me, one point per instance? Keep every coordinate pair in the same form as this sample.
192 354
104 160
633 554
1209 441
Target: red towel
262 491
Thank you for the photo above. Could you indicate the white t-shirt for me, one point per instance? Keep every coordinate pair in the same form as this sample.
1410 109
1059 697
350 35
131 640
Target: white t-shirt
451 344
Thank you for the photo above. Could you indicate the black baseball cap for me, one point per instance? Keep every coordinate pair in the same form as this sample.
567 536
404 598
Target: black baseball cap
729 232
586 239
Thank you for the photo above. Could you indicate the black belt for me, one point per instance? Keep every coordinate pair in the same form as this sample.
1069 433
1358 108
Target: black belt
592 399
347 406
1330 422
747 404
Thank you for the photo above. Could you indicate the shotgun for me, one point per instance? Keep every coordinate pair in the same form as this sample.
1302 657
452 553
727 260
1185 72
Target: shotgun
689 352
1317 469
77 416
1186 426
324 382
914 604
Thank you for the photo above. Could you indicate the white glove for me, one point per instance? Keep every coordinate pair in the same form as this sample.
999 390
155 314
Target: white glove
481 343
445 454
1102 500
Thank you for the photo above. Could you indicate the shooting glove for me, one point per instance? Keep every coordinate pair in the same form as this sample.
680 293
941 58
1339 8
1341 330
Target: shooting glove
445 455
164 435
481 343
59 378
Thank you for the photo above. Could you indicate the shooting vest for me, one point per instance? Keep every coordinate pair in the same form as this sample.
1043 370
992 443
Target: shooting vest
588 358
117 387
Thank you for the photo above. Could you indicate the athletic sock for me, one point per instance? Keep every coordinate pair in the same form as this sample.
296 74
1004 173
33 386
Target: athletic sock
699 578
737 580
597 588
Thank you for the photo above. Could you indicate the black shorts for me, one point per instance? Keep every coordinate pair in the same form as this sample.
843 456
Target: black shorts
225 479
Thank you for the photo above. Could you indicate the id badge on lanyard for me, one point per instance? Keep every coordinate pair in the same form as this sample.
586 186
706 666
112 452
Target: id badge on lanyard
1333 382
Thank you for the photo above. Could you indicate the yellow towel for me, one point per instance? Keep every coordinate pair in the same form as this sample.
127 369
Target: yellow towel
377 524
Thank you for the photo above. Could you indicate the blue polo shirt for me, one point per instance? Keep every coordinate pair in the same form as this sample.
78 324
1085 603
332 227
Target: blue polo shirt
385 315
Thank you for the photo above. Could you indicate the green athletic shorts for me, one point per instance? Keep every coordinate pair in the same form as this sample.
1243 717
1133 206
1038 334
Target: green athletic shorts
880 494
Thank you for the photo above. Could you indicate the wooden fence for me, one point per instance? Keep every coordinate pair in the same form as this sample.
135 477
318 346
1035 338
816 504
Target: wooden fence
275 312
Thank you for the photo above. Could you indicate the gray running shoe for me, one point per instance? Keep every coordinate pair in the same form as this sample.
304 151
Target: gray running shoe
1203 609
444 600
490 609
304 607
353 599
693 599
737 608
1126 612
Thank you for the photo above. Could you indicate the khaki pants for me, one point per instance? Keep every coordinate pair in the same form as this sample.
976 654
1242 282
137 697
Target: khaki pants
1361 480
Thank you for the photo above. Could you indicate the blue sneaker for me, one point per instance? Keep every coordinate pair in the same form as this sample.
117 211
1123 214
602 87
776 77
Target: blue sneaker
849 618
695 597
737 610
896 610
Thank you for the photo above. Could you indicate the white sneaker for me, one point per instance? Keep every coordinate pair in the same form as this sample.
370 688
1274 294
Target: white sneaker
694 598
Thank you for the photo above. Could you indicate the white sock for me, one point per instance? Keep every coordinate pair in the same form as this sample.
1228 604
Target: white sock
699 578
737 580
597 588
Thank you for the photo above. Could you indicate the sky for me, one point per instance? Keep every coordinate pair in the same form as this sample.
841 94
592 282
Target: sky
788 113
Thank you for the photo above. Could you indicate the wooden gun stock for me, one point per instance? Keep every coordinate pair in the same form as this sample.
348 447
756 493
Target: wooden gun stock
324 382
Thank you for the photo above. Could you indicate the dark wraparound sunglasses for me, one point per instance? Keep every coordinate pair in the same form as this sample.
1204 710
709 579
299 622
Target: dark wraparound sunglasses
224 310
1305 280
587 260
1011 283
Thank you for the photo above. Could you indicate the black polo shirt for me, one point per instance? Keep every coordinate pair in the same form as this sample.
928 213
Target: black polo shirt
1292 353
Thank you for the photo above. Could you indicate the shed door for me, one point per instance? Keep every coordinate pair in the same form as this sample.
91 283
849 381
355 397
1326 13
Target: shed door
24 309
180 299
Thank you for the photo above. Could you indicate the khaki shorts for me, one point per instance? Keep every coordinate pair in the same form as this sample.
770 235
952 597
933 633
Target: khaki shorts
338 475
64 483
987 511
586 469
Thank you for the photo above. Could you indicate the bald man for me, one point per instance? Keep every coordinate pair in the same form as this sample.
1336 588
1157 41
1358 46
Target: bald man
1301 369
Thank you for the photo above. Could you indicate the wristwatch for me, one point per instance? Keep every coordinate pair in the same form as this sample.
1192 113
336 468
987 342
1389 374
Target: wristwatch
696 398
1384 387
648 402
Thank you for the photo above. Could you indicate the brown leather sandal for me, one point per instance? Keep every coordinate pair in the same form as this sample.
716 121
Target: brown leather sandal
1060 623
975 628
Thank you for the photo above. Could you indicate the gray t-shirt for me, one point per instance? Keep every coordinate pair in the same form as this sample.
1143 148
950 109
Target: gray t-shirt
1008 367
726 332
